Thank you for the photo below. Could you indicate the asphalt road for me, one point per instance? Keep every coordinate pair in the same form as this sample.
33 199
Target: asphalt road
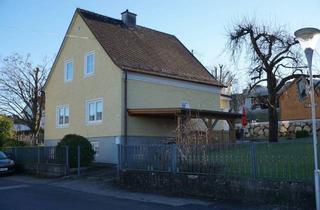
17 195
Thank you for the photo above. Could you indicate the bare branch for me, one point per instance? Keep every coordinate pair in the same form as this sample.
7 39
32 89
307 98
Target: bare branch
270 52
21 87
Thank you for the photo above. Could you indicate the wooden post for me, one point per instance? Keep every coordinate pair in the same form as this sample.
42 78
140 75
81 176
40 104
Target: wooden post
210 126
210 130
232 130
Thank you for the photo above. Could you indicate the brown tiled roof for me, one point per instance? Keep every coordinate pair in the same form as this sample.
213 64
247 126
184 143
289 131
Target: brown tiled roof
145 50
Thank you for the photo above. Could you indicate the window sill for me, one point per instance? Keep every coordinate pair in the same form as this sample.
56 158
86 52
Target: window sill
62 126
89 75
67 81
94 122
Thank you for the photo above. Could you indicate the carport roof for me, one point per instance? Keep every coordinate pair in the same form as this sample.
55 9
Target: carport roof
172 112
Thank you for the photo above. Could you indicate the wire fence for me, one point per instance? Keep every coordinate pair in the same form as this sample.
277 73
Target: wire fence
34 155
46 159
292 161
49 160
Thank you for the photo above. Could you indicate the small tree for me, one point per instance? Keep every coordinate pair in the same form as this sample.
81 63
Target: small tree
6 128
273 58
21 91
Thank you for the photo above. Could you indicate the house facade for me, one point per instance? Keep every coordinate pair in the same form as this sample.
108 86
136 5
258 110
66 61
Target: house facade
114 81
295 103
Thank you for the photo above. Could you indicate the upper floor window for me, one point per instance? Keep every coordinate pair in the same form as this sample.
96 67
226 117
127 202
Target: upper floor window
62 116
68 70
89 63
94 110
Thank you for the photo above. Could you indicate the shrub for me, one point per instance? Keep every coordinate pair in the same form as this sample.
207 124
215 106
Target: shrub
6 128
86 150
302 134
13 143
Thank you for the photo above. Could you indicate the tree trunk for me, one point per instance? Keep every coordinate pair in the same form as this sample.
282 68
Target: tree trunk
273 123
272 109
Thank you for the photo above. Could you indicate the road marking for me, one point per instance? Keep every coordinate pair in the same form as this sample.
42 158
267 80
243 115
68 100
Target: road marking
13 187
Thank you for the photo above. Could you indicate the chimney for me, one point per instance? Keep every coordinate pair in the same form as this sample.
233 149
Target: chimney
128 18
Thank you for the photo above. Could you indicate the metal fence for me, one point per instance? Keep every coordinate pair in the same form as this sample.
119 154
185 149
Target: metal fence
290 161
39 158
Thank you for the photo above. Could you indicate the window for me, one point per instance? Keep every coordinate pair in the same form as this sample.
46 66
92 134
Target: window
94 110
89 63
62 115
302 84
95 146
68 70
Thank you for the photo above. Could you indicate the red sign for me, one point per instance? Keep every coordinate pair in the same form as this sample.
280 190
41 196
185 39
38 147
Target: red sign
244 120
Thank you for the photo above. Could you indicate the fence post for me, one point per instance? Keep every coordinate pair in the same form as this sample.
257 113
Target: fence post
253 160
38 155
119 160
67 160
78 154
174 158
119 166
15 154
38 159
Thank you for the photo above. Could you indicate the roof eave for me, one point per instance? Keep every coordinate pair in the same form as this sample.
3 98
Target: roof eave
171 76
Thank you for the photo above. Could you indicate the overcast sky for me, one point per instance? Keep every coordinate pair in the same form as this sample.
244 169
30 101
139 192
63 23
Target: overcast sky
38 26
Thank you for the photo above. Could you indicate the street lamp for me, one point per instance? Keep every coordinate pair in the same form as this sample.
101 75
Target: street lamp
308 38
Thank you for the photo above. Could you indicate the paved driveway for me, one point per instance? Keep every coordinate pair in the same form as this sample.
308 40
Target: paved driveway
25 193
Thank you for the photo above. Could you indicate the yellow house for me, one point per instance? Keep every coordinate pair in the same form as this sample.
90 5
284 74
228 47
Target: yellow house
114 81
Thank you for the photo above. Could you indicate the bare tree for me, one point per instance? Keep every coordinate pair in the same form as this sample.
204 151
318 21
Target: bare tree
21 91
273 58
224 75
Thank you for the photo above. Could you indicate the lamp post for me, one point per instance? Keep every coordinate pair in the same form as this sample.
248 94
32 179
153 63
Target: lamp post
308 38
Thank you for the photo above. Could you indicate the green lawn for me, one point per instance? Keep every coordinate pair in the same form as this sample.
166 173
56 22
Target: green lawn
286 160
289 160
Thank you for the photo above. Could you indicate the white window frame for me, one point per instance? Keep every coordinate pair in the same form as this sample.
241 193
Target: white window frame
85 63
66 106
87 111
66 62
95 147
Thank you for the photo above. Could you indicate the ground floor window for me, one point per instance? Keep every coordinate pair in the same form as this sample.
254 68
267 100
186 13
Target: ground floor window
62 115
94 110
95 146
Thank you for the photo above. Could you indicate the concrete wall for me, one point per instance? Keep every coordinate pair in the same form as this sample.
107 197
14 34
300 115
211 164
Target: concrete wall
293 195
107 148
136 140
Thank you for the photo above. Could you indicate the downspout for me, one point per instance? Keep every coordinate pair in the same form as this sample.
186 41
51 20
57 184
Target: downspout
125 107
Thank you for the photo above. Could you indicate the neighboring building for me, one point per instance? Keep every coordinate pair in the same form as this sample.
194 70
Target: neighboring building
254 102
225 99
225 106
257 98
225 95
114 81
294 101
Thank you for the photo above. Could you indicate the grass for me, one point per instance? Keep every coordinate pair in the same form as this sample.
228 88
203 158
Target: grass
286 160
